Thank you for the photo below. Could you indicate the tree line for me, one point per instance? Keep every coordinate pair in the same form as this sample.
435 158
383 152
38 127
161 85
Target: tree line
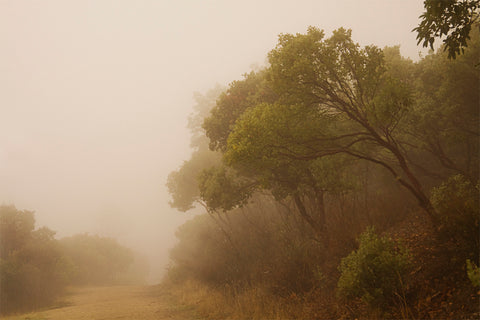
36 268
311 168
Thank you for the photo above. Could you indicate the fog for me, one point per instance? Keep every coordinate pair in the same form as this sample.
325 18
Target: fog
95 95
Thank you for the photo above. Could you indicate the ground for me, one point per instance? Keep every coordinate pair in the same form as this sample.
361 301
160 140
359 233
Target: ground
120 302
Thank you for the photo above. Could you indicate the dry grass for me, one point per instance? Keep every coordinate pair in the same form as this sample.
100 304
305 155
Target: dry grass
230 303
189 300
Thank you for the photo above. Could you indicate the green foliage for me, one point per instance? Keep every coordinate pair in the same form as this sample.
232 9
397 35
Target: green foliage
265 143
201 110
445 116
334 100
361 92
309 147
376 272
221 188
450 18
266 137
240 96
182 184
473 273
330 74
457 204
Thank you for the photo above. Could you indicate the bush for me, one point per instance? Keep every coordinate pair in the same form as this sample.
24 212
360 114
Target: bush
35 268
100 260
375 272
30 265
457 204
473 273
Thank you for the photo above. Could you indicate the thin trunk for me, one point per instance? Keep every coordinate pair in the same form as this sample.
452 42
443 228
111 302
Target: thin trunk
303 212
321 209
319 231
422 198
413 185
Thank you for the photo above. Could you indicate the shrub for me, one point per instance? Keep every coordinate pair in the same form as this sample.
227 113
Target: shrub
473 273
35 268
29 263
99 260
375 272
457 204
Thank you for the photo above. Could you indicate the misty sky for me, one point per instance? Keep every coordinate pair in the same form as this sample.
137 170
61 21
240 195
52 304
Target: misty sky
94 96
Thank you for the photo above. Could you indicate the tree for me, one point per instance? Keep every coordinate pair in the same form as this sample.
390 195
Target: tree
201 110
353 90
247 103
450 18
182 184
32 269
97 260
259 145
240 96
445 119
222 188
15 229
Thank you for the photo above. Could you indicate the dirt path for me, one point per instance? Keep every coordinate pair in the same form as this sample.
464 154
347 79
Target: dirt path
102 303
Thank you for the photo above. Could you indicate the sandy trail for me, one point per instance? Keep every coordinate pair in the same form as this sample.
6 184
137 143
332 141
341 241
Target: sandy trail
102 303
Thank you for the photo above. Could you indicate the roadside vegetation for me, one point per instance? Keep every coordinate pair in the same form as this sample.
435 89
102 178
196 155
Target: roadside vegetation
36 268
340 181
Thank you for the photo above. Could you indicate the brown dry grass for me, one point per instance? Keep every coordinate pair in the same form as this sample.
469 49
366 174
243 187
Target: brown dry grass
128 302
253 303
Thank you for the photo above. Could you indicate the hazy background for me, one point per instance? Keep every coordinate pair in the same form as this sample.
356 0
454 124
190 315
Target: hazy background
94 97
